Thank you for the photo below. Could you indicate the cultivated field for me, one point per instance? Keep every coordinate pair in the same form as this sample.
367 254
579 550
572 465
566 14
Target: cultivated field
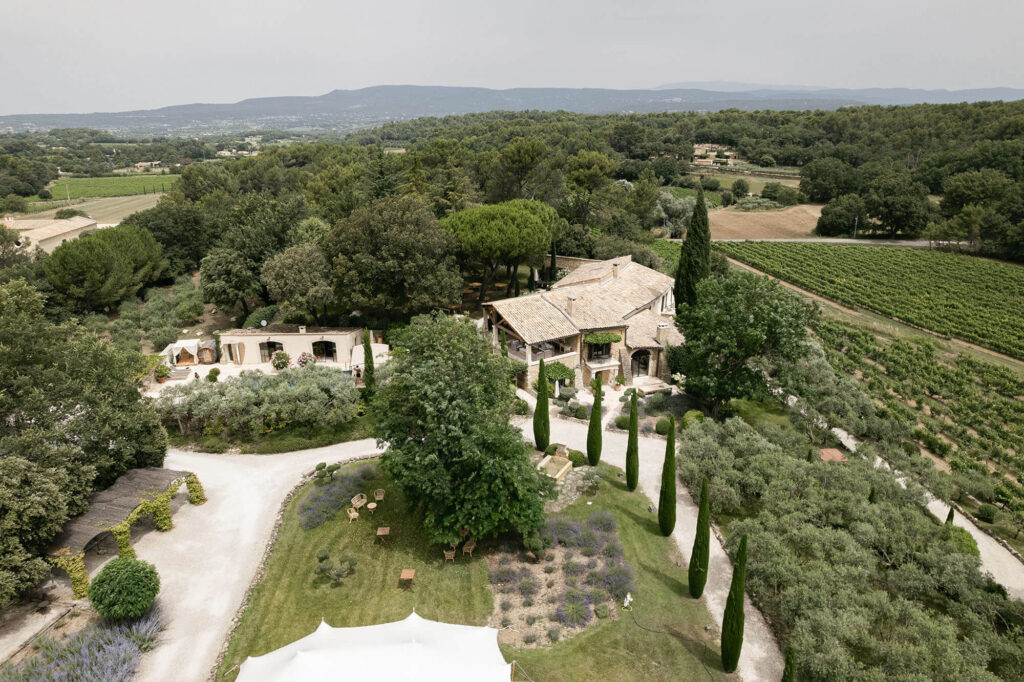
108 210
756 183
122 185
977 300
793 222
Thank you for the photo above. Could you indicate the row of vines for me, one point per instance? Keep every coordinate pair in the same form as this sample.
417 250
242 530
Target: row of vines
960 296
968 412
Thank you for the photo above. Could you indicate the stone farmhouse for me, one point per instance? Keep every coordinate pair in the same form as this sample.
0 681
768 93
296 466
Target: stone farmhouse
605 319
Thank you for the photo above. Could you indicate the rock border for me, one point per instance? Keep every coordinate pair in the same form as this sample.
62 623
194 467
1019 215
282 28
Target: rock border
261 568
977 524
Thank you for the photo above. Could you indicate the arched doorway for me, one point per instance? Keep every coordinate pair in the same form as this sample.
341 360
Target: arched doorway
325 350
641 365
268 348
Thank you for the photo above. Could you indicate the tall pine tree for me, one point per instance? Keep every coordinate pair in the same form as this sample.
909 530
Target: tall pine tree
369 378
732 622
694 256
541 423
594 436
667 498
701 545
632 449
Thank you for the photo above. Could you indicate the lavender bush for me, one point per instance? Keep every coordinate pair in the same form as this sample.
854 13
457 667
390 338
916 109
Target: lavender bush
99 652
618 580
603 521
573 568
327 500
574 611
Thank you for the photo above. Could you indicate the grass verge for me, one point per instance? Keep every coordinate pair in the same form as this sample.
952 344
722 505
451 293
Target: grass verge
286 440
666 641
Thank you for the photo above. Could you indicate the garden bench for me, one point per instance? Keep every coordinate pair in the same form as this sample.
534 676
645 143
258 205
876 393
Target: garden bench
469 547
449 555
352 514
359 500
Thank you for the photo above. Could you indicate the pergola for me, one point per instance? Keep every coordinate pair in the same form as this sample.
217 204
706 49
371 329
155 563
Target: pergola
136 493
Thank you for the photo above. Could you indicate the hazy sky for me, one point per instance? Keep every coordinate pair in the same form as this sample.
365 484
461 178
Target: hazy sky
112 55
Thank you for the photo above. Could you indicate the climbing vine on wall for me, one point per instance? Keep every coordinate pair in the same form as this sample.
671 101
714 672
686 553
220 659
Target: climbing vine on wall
74 566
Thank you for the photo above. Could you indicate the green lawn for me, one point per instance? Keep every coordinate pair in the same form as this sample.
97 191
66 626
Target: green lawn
117 186
713 199
756 412
289 603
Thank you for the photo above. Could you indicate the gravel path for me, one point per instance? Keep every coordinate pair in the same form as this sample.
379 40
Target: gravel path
761 658
208 561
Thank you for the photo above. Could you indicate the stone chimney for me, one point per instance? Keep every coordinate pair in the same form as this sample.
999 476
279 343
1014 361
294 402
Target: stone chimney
661 336
302 329
570 305
615 270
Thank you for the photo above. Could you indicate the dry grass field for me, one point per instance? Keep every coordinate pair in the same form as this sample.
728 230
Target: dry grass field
788 223
108 210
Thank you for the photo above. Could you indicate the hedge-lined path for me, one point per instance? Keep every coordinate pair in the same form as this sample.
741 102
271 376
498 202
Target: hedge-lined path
208 561
761 658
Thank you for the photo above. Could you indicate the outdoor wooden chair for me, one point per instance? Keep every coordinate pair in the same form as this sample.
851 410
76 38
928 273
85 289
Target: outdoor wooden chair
359 500
352 514
378 494
449 555
469 547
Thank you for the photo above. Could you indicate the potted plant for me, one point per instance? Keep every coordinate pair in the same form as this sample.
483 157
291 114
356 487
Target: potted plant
161 373
620 381
279 360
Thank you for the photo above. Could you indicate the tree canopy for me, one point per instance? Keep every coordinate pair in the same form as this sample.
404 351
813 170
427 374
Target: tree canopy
443 415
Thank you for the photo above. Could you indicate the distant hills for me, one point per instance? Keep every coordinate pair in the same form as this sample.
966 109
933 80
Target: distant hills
345 110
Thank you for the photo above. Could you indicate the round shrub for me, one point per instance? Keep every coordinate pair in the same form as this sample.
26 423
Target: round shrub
578 458
554 634
692 416
987 513
582 412
521 407
601 611
663 425
213 374
551 448
124 589
622 422
280 360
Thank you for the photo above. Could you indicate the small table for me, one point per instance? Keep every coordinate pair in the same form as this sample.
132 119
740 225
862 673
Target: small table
407 575
383 532
371 507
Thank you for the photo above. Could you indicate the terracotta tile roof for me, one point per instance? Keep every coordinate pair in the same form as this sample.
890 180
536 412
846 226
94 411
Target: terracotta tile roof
643 330
598 298
832 455
290 329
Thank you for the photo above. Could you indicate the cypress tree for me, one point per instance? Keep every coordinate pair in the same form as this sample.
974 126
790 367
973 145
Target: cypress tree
789 672
667 499
701 545
594 430
632 448
695 254
949 517
369 380
554 265
810 454
531 282
732 622
871 495
504 344
541 425
516 292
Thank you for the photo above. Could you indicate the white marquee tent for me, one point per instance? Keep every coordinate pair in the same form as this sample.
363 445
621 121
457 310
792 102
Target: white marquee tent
411 649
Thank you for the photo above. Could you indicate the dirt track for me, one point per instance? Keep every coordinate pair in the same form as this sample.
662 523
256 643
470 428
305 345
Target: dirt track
795 221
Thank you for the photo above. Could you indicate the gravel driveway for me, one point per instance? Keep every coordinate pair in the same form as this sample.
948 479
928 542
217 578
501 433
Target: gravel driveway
208 561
